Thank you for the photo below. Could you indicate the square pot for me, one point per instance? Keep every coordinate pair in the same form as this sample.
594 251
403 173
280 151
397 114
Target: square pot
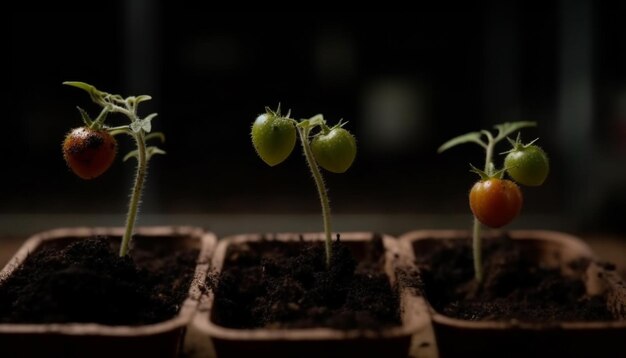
313 342
162 339
491 338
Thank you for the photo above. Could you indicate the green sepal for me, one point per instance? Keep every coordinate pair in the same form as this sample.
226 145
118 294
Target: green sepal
499 174
85 116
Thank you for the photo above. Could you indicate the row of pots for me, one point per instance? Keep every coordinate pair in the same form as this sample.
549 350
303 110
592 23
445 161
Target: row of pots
454 337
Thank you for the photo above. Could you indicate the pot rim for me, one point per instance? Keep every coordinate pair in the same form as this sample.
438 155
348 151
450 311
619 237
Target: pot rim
409 303
207 241
557 237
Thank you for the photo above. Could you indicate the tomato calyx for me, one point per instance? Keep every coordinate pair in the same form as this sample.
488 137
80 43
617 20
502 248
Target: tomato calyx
526 164
518 145
95 124
491 173
277 113
340 124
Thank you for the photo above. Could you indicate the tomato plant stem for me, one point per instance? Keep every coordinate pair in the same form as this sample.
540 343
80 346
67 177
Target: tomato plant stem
135 198
303 132
476 243
488 158
477 228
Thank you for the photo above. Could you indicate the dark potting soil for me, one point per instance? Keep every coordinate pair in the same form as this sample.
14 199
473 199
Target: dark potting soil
274 284
87 281
514 285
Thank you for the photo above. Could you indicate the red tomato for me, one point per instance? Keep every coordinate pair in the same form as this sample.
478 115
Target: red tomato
89 152
495 202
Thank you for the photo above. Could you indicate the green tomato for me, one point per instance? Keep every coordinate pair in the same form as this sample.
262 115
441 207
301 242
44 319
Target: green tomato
273 138
527 165
334 151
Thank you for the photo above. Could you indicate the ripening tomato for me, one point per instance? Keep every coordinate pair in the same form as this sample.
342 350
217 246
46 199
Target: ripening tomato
527 165
273 137
495 202
334 151
89 152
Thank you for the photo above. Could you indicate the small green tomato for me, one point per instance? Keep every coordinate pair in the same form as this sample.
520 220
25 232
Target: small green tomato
334 151
273 137
527 165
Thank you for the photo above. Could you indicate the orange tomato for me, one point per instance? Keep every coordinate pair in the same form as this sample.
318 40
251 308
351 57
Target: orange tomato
495 202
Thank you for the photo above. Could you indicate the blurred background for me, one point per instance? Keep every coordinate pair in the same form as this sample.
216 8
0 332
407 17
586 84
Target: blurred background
406 82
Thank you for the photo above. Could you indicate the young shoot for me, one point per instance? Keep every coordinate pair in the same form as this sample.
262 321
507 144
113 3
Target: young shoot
90 150
495 201
332 148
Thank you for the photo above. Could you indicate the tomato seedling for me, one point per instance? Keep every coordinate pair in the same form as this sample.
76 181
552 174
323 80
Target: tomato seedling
90 150
495 201
332 148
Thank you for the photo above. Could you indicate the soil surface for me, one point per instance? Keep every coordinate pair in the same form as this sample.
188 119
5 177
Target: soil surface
515 286
275 284
86 281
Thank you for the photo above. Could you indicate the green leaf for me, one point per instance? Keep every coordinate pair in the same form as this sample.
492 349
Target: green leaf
317 120
131 154
150 151
150 117
472 137
508 128
142 98
119 130
82 85
158 135
136 126
116 98
94 93
145 124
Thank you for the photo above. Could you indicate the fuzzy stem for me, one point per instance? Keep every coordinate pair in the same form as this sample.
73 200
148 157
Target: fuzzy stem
476 239
321 188
131 217
478 269
488 156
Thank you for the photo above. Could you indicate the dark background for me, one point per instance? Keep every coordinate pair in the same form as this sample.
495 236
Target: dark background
406 82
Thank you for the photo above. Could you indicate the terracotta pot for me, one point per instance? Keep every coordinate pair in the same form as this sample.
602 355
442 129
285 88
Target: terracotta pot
163 339
313 342
457 337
